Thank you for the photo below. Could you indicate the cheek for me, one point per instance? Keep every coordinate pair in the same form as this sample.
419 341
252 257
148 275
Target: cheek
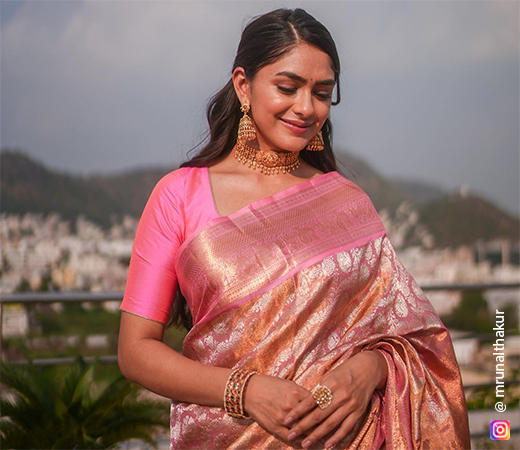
268 103
279 104
322 113
269 111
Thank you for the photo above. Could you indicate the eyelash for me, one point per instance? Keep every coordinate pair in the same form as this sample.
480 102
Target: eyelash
287 90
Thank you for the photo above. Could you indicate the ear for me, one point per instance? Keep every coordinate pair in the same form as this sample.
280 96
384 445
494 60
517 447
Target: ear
242 85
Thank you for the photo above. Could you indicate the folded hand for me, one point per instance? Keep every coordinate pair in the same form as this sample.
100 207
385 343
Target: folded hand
352 384
268 400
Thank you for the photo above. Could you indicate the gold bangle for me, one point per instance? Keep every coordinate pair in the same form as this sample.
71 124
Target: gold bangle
234 393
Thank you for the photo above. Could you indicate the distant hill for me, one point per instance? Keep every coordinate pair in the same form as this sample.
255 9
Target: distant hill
383 192
418 191
452 219
130 189
457 219
28 186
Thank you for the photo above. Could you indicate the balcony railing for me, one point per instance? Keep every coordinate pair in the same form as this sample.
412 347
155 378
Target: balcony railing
80 297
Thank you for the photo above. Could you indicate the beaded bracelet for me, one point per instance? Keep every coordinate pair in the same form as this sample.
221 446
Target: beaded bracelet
234 393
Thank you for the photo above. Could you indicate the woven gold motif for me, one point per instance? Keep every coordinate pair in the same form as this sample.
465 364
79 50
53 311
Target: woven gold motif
361 284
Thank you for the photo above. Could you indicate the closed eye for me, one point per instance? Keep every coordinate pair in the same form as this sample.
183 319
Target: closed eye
321 95
287 90
324 95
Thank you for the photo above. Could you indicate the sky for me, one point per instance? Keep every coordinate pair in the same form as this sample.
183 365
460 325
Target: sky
430 89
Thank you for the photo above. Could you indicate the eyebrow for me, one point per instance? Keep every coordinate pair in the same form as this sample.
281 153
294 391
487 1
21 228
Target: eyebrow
293 76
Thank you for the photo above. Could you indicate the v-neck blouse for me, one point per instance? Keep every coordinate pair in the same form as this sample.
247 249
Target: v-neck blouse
180 204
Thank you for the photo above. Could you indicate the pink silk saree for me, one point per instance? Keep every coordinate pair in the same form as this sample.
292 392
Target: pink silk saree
293 285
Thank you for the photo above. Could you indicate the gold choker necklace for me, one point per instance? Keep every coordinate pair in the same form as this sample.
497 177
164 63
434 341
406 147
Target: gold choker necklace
269 162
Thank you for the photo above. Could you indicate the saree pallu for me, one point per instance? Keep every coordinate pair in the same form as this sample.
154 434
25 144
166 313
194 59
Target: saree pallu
292 286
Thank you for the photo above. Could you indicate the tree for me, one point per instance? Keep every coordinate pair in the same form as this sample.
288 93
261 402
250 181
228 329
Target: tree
23 286
471 314
47 283
39 411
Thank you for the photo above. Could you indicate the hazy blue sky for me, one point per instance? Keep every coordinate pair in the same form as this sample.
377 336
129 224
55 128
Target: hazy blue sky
430 89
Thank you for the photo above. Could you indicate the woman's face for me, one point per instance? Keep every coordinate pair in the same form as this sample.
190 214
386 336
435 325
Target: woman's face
290 99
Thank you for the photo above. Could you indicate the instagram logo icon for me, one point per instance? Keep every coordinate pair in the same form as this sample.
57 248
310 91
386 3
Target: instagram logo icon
499 430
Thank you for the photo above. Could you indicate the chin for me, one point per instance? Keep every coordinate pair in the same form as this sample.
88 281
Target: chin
291 146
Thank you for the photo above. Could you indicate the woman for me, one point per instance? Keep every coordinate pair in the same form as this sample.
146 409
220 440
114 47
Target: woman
307 330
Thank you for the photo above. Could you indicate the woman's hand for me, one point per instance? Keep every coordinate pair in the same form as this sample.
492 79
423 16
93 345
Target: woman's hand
268 400
352 385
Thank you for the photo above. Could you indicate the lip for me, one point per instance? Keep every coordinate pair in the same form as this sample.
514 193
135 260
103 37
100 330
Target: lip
296 127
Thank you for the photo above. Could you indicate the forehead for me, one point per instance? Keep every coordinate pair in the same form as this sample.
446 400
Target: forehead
304 60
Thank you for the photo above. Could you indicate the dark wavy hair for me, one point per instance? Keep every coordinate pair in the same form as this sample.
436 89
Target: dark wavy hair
264 40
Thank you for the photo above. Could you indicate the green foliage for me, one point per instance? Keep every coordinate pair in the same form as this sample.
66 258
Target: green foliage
511 317
23 286
6 264
124 261
488 444
64 333
471 314
73 411
174 337
47 284
76 320
485 398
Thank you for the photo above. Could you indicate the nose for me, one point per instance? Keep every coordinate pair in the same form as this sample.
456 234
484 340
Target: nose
304 104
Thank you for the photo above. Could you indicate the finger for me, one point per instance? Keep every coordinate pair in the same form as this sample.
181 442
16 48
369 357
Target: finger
344 429
313 419
281 435
326 427
302 408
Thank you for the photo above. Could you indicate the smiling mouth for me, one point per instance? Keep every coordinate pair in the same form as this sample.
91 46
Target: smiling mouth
300 126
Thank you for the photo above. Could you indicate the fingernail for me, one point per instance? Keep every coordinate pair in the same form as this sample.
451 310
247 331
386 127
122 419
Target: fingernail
306 444
292 435
288 420
330 445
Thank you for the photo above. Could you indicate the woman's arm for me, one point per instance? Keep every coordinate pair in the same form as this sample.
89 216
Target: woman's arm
144 359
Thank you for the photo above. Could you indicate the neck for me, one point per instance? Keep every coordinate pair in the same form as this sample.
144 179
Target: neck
268 162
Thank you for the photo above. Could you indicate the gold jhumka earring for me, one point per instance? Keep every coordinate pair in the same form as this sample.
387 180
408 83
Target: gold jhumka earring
268 162
246 127
316 143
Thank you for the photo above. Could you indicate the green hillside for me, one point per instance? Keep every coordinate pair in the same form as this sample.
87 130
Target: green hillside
453 220
382 192
456 220
28 186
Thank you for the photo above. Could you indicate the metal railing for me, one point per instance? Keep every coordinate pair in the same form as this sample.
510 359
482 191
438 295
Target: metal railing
80 297
101 297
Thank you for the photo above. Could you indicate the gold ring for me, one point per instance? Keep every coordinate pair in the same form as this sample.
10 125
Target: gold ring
322 395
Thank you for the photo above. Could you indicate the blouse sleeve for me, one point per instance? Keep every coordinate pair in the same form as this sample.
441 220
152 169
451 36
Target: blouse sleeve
152 280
